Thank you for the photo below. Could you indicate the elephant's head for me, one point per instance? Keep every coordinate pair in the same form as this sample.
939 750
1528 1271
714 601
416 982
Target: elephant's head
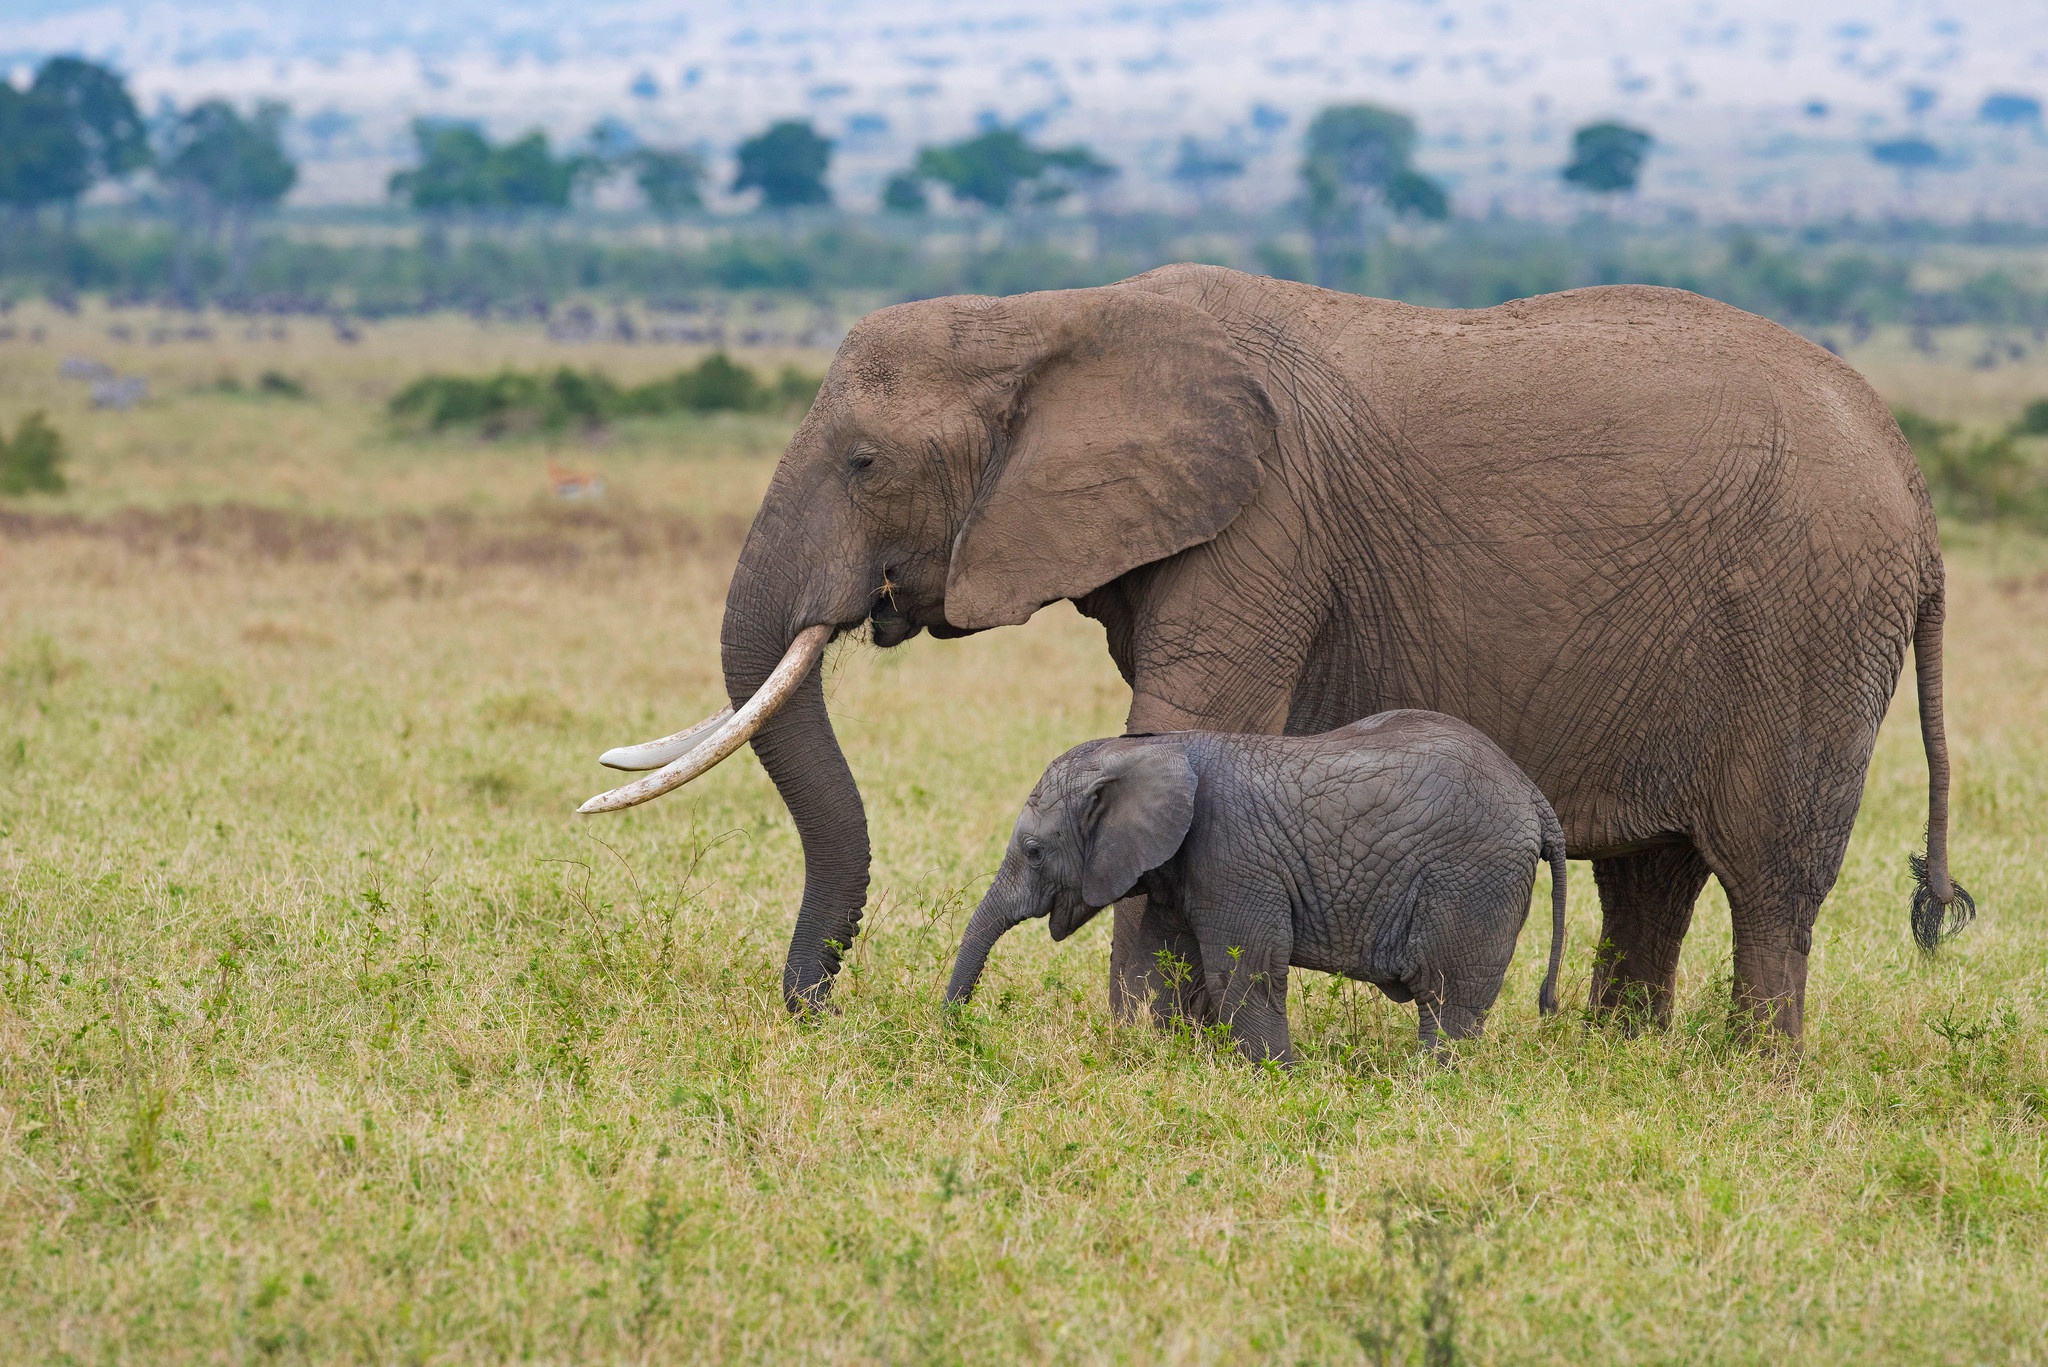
967 461
1105 814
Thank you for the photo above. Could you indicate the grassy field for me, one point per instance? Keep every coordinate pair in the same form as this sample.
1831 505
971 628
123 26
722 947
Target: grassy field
328 1033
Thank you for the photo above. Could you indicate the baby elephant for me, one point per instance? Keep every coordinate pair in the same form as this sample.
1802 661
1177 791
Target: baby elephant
1399 850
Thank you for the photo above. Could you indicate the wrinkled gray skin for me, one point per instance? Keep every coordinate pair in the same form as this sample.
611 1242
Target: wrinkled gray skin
1399 850
1668 554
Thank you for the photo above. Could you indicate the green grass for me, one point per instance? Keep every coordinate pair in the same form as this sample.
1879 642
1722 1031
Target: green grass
327 1033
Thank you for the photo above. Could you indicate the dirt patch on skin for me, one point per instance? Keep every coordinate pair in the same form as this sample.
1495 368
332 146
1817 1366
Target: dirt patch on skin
544 537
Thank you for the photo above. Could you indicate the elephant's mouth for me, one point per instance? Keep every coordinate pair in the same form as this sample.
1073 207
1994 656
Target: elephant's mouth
898 612
890 625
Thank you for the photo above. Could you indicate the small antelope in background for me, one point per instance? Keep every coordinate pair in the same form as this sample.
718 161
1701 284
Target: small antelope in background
569 484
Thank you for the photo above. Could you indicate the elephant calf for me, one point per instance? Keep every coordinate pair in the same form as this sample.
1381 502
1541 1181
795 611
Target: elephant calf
1399 850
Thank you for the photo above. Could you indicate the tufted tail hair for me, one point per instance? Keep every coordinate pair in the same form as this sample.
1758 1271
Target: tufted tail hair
1933 919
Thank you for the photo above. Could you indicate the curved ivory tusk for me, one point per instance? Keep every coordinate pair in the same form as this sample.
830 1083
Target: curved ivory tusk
656 753
796 663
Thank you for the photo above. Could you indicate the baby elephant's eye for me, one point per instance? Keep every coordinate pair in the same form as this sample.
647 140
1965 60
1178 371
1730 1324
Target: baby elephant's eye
1032 852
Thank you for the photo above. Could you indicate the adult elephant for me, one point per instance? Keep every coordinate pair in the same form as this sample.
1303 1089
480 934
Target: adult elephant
1666 553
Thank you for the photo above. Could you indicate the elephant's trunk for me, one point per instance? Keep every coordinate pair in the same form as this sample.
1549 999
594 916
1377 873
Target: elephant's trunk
801 754
1001 908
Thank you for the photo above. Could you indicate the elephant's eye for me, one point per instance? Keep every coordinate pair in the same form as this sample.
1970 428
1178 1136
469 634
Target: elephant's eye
858 460
1033 852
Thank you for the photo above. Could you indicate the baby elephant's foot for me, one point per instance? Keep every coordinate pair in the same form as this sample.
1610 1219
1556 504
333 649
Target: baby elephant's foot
1441 1025
1260 1034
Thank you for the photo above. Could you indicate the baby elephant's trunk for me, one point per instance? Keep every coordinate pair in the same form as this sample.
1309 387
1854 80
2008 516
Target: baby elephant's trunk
1553 850
999 910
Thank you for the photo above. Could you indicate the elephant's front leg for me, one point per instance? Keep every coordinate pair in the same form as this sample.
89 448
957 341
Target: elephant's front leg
1154 959
1210 640
1248 984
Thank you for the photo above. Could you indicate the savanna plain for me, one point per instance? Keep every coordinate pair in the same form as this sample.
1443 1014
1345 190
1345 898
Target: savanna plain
328 1033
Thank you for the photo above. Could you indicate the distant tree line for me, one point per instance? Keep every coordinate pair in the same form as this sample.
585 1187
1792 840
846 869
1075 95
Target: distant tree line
220 169
213 171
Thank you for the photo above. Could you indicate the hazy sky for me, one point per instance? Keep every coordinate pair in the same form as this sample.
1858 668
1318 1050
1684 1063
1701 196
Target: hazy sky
1750 99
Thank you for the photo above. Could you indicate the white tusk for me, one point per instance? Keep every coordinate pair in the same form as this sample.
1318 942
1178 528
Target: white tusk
795 665
656 753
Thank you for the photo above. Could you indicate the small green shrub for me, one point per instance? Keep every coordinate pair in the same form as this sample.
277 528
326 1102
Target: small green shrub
2032 421
33 462
1979 477
515 400
279 385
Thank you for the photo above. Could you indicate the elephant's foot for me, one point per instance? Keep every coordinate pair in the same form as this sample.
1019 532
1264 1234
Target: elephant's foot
1769 1007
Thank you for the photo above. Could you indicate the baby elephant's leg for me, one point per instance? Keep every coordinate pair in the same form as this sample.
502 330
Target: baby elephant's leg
1454 1008
1248 986
1465 955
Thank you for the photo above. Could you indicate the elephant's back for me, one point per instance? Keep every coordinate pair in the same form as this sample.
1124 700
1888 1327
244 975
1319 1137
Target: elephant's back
1651 404
1442 779
1637 397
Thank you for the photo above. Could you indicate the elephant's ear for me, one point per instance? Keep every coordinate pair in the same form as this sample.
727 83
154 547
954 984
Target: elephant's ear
1134 431
1143 808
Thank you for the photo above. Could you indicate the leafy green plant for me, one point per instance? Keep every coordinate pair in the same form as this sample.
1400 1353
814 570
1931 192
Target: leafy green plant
1976 476
279 385
2032 421
32 462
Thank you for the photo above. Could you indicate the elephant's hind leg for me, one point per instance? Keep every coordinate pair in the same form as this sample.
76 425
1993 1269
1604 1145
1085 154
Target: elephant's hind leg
1778 866
1448 1014
1646 902
1774 896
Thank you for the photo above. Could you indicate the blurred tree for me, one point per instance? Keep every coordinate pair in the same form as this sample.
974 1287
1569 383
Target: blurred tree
525 176
461 171
1906 153
904 194
103 118
43 159
1607 158
1079 169
1908 156
102 112
987 170
1411 192
225 166
610 142
1202 171
2010 109
671 180
1357 161
1001 171
462 175
454 171
787 165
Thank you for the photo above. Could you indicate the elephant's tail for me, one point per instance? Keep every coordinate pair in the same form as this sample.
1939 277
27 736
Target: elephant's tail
1552 850
1941 906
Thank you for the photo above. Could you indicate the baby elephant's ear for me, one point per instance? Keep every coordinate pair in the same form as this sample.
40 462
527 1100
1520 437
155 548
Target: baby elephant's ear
1144 806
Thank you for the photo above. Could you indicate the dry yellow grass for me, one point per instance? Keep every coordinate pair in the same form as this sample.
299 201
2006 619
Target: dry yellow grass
327 1033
